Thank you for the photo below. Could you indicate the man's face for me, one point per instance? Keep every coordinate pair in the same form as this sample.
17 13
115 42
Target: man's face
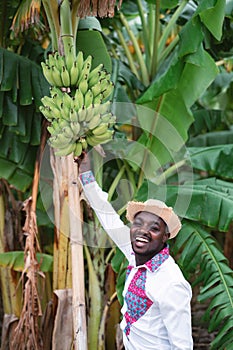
148 235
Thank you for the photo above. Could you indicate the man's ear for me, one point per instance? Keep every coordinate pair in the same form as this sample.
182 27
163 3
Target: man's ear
166 236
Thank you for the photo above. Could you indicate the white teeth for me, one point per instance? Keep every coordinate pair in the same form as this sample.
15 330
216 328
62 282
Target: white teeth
142 239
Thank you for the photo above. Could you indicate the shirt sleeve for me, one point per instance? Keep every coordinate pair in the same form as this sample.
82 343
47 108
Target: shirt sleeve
176 313
109 219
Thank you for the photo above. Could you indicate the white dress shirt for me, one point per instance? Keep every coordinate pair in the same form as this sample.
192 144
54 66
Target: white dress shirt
156 311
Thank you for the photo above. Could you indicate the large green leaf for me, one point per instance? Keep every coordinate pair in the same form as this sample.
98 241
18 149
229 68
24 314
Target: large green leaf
212 138
217 160
15 261
193 201
16 69
198 251
91 43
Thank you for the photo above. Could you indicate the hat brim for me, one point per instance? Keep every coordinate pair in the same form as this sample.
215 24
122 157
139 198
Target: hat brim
158 208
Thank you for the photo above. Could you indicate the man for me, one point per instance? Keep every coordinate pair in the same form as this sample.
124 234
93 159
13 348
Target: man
156 310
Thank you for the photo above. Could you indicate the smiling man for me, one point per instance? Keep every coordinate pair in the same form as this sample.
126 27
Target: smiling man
156 311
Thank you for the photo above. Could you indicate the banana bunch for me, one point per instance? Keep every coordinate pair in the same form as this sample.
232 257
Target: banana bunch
73 125
67 72
76 109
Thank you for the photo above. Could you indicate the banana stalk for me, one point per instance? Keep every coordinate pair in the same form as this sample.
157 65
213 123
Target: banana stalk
66 29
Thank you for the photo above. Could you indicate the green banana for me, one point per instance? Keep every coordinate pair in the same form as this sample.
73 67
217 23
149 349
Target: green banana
98 99
85 69
100 129
78 149
96 89
94 122
108 90
80 60
55 91
83 85
94 80
73 117
90 113
47 112
67 100
94 73
60 62
56 76
91 141
59 141
65 77
47 71
66 150
74 74
88 98
84 143
78 99
51 61
68 132
82 114
106 117
103 137
76 127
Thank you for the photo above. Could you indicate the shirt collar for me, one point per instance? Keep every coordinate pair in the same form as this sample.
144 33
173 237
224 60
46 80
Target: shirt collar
154 263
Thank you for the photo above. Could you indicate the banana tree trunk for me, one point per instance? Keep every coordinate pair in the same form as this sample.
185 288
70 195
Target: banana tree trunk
68 216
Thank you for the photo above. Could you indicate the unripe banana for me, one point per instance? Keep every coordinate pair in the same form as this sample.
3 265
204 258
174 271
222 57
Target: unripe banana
55 91
49 103
58 100
51 61
90 113
60 62
65 112
78 149
67 100
94 73
56 76
47 71
82 114
100 129
88 98
85 69
78 99
106 117
68 132
108 90
94 122
107 136
47 112
96 89
75 126
84 143
79 60
98 99
94 79
65 77
74 74
92 141
83 85
59 141
73 115
66 150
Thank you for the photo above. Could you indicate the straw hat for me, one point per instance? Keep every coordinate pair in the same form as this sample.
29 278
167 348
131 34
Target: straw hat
158 208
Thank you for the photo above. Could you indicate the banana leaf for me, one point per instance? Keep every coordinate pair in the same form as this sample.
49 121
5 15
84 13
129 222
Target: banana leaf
199 252
193 201
15 261
217 160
